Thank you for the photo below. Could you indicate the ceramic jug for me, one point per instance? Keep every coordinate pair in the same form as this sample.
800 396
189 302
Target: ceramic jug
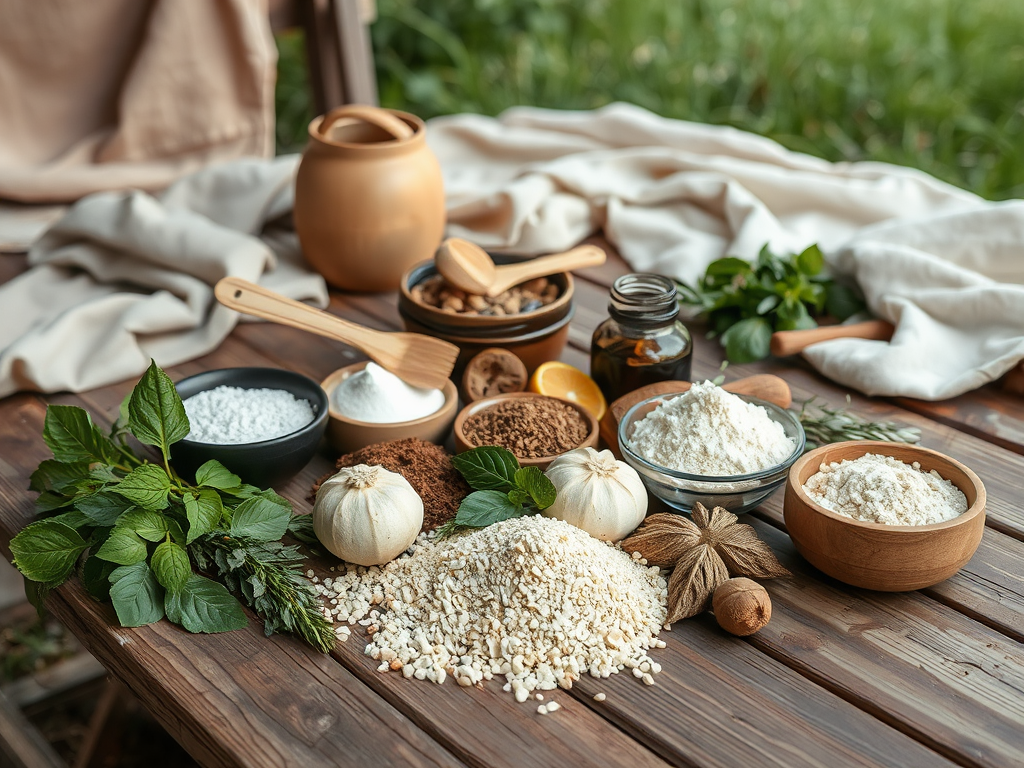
369 200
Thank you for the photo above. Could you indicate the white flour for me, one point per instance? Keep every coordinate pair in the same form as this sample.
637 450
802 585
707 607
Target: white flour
379 397
232 415
881 489
708 431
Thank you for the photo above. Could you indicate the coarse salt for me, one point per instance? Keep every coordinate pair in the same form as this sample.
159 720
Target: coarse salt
882 489
708 431
233 415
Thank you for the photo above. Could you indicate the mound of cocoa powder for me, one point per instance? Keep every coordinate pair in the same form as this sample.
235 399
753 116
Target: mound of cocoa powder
426 466
530 427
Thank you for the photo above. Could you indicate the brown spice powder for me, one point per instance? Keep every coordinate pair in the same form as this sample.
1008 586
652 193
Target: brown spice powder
530 427
426 466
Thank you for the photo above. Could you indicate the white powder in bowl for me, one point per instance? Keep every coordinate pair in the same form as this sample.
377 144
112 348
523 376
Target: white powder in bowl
708 431
379 397
881 489
232 415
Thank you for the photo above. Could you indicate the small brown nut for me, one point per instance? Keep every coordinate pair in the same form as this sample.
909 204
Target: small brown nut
741 606
458 293
479 303
549 294
497 309
452 304
535 286
395 665
512 304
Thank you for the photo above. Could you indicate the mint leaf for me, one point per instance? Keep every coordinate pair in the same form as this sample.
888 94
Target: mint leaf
204 511
53 475
488 468
72 519
842 302
51 501
213 474
748 340
534 482
793 316
96 577
483 508
123 547
171 566
152 526
137 597
146 486
104 508
260 519
69 432
202 605
810 261
518 496
156 415
46 551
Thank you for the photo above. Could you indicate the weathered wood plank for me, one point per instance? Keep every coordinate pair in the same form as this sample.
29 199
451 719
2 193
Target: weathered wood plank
230 699
720 702
925 669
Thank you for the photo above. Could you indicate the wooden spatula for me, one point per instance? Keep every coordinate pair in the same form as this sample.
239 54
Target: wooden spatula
419 360
764 386
785 343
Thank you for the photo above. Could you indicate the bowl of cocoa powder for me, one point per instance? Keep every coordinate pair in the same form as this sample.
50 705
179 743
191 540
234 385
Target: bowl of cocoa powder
536 428
530 319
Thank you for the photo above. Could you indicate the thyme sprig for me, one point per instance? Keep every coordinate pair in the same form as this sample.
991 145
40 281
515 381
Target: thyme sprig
824 425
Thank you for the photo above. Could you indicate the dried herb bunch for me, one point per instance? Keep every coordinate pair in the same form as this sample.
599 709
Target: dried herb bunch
702 553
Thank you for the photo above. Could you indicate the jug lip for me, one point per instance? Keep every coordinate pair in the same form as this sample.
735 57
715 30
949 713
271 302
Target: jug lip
414 122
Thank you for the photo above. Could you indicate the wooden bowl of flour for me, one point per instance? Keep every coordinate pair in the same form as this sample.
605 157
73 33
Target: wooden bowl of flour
887 558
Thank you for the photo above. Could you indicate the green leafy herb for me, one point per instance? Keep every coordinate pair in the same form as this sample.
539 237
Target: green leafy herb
502 489
144 529
824 425
745 303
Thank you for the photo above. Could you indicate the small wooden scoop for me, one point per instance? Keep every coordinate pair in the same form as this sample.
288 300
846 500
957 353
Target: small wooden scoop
786 343
419 360
764 386
469 267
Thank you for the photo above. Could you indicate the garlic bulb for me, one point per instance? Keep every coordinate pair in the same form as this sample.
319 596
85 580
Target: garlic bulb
603 496
367 515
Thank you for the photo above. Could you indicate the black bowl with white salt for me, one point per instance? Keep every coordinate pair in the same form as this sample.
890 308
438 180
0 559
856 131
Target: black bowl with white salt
263 424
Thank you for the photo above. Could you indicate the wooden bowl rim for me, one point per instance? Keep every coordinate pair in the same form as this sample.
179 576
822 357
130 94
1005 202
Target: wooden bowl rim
485 320
487 402
450 391
882 447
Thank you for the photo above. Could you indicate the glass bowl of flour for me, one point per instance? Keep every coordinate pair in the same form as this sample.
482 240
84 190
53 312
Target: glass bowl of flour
710 446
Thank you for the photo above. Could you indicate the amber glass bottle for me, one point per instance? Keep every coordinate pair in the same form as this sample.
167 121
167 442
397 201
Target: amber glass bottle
642 341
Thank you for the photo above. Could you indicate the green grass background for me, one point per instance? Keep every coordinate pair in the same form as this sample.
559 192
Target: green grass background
933 84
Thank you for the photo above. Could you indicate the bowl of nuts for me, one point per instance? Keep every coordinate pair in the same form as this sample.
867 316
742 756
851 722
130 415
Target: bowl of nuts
530 319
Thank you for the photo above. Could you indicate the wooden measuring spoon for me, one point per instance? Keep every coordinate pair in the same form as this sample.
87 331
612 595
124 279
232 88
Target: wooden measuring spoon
785 343
764 386
469 267
419 360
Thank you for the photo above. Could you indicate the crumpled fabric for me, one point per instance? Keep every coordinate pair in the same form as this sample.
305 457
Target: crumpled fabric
126 276
943 265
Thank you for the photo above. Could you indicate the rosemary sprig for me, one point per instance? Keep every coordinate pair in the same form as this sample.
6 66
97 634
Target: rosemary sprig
268 576
826 425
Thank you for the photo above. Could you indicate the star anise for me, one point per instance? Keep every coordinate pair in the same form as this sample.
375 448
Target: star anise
702 553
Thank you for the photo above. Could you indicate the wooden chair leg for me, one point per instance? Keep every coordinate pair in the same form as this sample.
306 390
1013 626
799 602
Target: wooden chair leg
21 745
112 698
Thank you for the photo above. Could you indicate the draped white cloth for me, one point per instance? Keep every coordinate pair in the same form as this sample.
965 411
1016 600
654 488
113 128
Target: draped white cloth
943 265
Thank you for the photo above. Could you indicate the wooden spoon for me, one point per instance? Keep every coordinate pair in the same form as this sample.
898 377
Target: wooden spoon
764 386
419 360
785 343
469 267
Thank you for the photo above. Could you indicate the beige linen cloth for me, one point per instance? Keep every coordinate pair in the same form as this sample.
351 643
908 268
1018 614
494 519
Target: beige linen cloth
944 266
125 94
125 277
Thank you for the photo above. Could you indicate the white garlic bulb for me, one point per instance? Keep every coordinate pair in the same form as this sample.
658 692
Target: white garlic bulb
596 492
367 515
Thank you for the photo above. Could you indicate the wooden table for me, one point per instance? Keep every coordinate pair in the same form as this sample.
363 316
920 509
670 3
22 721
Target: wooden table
840 677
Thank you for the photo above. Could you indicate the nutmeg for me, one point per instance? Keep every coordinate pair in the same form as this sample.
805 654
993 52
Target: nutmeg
741 606
493 371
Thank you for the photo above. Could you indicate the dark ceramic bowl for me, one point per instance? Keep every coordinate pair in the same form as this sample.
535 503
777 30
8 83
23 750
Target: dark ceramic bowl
535 337
267 462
